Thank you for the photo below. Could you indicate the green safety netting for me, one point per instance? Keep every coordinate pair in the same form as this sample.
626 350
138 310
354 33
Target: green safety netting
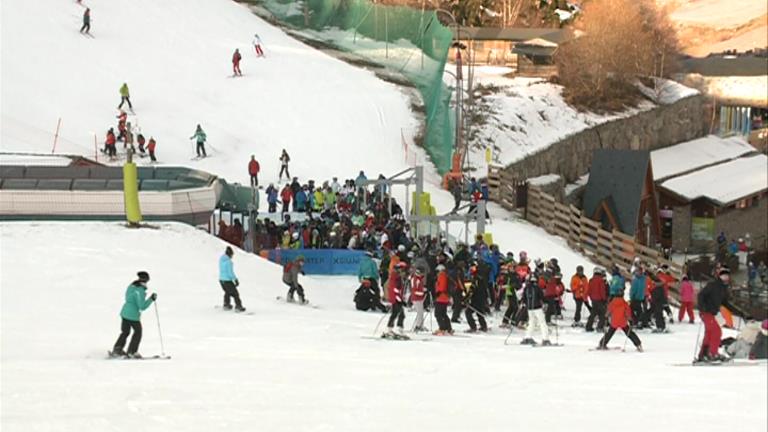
406 42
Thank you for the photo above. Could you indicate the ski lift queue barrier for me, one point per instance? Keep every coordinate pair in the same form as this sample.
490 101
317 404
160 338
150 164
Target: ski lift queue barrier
319 261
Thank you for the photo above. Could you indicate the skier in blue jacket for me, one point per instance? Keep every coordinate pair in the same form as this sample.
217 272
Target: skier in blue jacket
136 300
616 285
229 282
637 296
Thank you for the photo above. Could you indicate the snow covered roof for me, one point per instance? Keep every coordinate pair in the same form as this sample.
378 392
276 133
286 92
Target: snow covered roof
29 159
724 183
701 152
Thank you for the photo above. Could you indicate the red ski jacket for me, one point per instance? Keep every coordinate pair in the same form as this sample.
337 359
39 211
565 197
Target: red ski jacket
417 288
253 167
151 145
441 288
286 195
579 287
236 58
620 312
394 287
110 139
597 289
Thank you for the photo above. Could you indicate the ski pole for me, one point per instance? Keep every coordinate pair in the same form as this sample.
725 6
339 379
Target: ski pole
376 330
626 337
157 315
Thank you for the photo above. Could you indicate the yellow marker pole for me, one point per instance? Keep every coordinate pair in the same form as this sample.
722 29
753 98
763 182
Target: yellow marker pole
131 191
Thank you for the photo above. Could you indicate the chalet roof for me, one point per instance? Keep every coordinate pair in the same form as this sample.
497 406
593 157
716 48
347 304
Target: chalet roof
695 154
724 183
534 50
617 176
742 65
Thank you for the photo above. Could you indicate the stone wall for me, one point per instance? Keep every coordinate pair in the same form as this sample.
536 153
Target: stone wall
681 228
735 223
660 127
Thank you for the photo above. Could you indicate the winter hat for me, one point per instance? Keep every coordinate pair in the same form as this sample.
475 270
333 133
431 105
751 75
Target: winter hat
724 270
143 276
229 251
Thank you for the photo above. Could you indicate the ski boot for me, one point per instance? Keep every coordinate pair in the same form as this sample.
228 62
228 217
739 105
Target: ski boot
135 356
639 348
546 342
601 347
227 307
470 330
239 309
439 333
117 353
528 341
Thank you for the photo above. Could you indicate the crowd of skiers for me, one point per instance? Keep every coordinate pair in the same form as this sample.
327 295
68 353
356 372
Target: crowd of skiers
475 280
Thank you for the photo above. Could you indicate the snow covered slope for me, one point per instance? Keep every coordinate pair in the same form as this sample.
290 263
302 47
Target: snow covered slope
288 368
175 57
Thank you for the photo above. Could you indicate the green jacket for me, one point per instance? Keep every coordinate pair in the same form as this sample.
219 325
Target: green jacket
135 301
199 136
367 269
124 90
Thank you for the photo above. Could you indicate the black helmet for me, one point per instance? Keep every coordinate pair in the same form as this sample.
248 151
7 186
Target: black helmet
143 276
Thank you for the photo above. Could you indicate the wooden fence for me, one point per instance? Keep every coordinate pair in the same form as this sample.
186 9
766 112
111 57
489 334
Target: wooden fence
582 233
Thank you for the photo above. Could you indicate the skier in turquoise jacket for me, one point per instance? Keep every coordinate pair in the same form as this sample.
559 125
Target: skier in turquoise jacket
368 270
229 282
136 300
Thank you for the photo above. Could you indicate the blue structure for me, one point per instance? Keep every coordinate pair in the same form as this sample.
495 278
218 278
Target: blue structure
321 261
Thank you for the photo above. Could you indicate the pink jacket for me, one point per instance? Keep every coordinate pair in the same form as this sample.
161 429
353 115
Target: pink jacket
686 291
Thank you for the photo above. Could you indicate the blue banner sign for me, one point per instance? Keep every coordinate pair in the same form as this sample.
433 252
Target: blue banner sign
321 261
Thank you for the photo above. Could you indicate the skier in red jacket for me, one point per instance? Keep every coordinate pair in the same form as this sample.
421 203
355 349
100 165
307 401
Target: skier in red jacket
109 144
253 171
620 313
236 57
151 148
286 195
396 296
442 300
417 298
598 293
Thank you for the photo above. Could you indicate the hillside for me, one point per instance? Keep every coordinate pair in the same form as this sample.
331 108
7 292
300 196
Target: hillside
712 26
178 71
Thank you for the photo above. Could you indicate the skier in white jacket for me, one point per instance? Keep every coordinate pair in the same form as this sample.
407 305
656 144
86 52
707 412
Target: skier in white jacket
257 45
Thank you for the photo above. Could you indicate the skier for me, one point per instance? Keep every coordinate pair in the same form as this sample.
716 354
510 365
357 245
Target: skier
579 289
253 171
229 282
151 148
395 295
284 159
442 300
286 195
122 119
291 272
477 301
534 302
200 138
686 300
511 283
598 293
620 313
456 192
637 296
369 271
135 301
140 141
125 96
710 299
417 299
86 28
109 144
616 285
553 289
366 298
236 57
257 45
658 303
272 197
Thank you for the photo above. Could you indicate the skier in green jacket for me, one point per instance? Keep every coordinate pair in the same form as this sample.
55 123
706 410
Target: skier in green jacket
125 96
200 138
136 300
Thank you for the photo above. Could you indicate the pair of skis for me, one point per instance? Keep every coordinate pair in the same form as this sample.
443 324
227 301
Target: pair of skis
113 356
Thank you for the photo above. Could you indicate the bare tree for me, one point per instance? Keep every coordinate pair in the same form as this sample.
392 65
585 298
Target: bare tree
623 40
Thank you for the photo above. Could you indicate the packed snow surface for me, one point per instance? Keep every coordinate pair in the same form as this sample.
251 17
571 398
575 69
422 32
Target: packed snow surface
292 368
175 57
725 182
704 151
